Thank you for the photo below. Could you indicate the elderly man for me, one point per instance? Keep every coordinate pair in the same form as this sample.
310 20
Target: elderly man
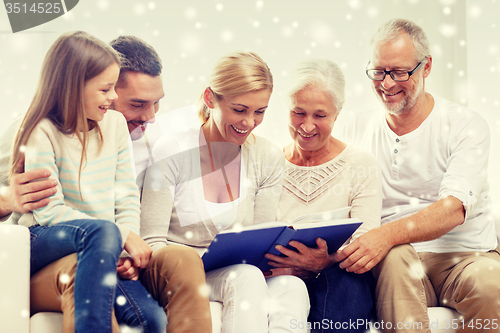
437 243
174 279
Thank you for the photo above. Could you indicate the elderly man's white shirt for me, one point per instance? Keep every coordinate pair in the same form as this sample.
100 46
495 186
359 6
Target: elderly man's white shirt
447 155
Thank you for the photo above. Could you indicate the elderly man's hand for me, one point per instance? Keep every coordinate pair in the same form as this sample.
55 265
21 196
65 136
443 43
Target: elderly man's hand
365 252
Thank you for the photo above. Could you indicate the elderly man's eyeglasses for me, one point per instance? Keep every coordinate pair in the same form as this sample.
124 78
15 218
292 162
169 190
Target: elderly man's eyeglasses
398 75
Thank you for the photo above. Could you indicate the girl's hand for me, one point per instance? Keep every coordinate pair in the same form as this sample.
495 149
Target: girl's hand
126 269
138 249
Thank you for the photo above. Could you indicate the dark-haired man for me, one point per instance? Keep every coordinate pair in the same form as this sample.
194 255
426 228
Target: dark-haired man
139 87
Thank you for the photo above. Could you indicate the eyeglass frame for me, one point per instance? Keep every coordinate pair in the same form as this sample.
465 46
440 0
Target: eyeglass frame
410 73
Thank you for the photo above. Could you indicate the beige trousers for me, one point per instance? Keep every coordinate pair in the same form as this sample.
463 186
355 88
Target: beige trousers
51 290
408 282
174 277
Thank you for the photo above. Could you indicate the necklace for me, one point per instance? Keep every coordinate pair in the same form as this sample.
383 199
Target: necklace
222 169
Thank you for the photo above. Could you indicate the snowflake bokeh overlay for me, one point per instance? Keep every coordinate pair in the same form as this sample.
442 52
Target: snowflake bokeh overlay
190 35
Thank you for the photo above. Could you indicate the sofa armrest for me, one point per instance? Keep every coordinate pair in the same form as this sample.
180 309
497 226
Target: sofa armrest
14 278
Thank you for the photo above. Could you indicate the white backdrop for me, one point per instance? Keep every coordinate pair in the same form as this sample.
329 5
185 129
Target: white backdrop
190 35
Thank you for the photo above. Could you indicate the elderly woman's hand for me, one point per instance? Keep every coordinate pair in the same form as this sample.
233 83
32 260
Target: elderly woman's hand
308 259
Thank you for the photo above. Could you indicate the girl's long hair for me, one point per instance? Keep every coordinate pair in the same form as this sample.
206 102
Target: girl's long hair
73 59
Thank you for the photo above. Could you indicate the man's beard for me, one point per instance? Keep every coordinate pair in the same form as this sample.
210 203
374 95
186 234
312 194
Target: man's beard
407 103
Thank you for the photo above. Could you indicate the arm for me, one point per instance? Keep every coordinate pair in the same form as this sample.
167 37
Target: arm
434 221
158 190
366 198
127 206
40 154
16 194
271 169
22 195
462 184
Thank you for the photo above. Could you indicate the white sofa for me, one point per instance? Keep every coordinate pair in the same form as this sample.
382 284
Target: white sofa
14 279
14 288
14 292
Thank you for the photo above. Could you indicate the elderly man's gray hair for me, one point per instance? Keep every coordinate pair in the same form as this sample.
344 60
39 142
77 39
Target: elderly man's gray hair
321 74
395 27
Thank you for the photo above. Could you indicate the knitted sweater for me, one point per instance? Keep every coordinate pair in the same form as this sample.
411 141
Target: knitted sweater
350 179
106 188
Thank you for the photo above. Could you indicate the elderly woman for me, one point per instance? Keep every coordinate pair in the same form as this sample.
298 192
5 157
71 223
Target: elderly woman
220 176
323 174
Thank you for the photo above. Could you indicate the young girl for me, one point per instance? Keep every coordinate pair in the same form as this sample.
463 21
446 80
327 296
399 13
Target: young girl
94 211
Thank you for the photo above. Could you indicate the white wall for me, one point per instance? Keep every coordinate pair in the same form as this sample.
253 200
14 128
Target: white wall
483 67
191 34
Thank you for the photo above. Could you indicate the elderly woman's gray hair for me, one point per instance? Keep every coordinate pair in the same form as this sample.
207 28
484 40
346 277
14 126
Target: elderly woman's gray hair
321 74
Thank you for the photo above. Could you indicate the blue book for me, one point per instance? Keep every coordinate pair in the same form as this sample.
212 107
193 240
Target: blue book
249 245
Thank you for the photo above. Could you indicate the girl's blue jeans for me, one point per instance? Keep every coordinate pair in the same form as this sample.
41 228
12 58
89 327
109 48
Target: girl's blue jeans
340 301
134 307
98 245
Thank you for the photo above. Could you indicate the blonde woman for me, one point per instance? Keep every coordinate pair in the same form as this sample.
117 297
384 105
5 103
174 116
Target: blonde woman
219 177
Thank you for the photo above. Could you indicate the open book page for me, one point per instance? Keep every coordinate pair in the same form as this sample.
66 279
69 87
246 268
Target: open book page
249 244
333 232
239 228
242 247
317 225
337 214
324 218
320 224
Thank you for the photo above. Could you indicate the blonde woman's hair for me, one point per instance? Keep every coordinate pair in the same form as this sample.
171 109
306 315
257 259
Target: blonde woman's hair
73 59
234 74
